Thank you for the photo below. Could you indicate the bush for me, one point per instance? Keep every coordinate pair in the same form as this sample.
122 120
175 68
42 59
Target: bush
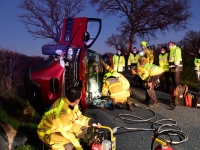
12 66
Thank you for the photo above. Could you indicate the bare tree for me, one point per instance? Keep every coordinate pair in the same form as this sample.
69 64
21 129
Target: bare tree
144 18
191 40
43 18
118 42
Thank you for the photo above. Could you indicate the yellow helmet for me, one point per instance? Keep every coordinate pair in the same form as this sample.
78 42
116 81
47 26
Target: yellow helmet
144 43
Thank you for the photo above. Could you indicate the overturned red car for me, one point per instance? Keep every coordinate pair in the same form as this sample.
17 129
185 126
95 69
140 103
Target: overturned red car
70 63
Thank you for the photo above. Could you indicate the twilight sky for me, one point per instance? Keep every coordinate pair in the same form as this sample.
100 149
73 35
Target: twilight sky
14 36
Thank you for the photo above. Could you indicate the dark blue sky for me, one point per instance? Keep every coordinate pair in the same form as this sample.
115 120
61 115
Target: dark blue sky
14 36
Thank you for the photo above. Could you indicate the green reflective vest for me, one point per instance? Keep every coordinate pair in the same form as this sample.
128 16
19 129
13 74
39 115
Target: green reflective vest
133 58
118 63
163 62
175 59
197 64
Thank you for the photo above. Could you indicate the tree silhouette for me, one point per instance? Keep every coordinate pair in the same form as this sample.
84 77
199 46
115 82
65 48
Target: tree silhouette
191 41
145 18
43 18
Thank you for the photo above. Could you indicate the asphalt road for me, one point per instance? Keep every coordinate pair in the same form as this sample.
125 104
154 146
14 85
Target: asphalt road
187 120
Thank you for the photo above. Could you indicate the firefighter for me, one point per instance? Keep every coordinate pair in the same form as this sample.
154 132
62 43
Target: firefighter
63 124
118 61
175 63
149 73
118 88
146 54
132 64
164 64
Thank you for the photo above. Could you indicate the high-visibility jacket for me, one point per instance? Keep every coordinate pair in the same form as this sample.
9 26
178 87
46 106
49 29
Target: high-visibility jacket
148 57
133 59
118 62
63 119
118 88
164 62
148 70
175 59
197 64
117 74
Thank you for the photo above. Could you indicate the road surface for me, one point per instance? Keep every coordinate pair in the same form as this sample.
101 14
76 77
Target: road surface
187 120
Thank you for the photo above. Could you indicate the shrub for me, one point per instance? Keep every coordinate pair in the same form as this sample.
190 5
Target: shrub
12 66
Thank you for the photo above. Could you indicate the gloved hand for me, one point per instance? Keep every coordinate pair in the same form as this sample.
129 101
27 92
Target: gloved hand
134 71
97 125
176 67
149 84
129 67
84 131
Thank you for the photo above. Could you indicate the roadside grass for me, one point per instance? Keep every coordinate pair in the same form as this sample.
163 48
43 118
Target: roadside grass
22 117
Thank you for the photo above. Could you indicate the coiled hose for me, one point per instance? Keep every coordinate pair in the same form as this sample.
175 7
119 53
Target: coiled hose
158 127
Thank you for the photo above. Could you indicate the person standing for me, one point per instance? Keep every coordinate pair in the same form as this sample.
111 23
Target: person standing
63 125
146 54
175 63
164 64
132 64
149 73
118 61
197 68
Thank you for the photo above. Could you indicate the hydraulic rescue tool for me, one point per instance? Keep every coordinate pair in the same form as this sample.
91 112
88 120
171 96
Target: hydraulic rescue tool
162 145
101 141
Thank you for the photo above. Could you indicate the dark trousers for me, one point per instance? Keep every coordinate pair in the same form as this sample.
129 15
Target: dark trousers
150 93
164 81
176 78
137 81
198 78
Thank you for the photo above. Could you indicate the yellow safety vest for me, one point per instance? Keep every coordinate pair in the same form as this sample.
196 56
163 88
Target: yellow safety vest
164 62
197 64
118 63
133 58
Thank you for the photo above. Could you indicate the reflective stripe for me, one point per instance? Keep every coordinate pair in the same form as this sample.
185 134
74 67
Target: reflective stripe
57 111
115 84
171 66
133 59
118 93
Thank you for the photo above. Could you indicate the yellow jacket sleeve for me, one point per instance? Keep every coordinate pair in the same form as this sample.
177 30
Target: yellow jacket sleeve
151 57
105 89
107 67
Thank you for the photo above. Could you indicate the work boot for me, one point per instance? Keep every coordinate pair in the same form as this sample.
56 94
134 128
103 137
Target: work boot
155 104
130 106
120 106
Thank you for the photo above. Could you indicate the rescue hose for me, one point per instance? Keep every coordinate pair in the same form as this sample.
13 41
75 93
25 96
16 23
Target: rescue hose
158 129
169 133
